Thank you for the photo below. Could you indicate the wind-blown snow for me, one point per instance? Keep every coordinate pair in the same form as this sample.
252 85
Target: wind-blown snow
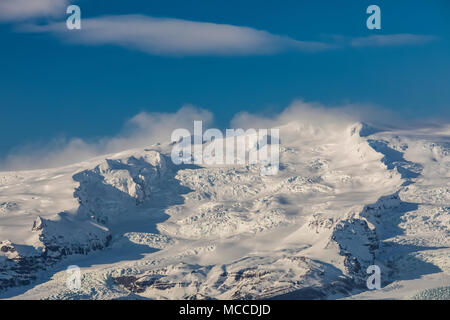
347 196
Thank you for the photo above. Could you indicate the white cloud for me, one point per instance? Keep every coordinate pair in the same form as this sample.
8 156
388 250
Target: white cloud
165 36
177 37
312 120
392 40
142 130
13 10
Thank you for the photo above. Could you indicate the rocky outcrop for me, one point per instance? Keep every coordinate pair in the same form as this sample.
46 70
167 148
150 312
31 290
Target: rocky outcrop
115 186
56 239
357 243
105 192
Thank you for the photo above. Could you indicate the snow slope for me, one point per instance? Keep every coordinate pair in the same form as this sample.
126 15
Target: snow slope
346 197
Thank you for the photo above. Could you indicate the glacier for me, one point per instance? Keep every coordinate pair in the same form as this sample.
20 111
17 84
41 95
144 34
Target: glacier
140 227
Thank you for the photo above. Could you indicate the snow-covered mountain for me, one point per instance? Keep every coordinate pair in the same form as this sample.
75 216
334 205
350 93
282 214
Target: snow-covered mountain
346 197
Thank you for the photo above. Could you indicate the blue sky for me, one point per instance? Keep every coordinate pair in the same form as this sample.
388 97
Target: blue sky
55 82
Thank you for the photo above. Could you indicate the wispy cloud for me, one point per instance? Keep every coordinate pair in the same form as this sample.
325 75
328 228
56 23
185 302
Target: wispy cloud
317 114
142 130
390 40
166 36
19 10
145 129
176 37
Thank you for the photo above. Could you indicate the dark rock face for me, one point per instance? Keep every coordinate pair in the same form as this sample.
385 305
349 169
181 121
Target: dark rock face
59 239
38 224
6 247
357 243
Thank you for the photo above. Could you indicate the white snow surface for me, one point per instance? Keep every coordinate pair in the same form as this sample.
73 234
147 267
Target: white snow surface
140 227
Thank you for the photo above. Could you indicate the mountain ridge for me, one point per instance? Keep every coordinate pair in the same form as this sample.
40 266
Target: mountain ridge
341 202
